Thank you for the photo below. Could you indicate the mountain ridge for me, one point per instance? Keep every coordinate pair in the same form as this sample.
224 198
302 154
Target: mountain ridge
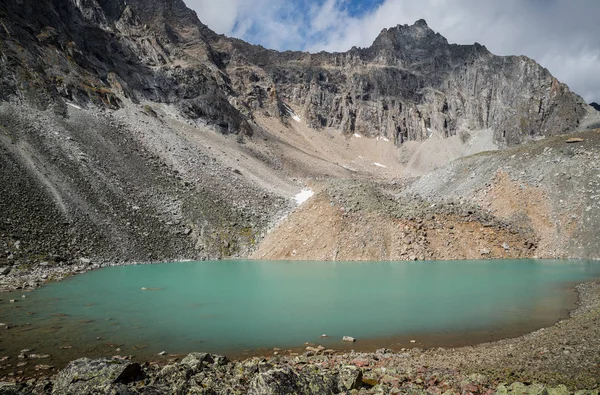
441 84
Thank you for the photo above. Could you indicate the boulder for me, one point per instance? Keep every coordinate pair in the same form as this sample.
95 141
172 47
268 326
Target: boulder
91 376
349 378
285 381
197 360
174 377
349 339
10 388
274 382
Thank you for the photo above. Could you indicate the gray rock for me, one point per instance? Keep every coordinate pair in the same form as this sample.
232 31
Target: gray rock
5 270
10 388
284 380
175 377
277 381
197 360
349 378
86 376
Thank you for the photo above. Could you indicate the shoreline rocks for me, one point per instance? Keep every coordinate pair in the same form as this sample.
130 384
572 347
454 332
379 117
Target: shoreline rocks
202 373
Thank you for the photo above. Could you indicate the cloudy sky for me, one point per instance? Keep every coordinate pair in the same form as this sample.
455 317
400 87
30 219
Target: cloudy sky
562 35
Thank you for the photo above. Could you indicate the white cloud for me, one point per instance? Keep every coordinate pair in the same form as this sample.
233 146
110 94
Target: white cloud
560 34
222 17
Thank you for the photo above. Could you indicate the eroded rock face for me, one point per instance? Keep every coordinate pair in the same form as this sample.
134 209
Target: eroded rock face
411 83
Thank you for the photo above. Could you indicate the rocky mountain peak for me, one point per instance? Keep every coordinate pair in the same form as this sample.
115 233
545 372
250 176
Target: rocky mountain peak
406 37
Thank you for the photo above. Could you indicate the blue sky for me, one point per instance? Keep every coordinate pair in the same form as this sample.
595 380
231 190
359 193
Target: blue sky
562 35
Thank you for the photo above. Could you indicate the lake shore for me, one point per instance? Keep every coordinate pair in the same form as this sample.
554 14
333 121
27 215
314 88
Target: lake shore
563 354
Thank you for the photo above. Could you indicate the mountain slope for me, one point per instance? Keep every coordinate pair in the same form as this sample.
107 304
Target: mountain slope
129 131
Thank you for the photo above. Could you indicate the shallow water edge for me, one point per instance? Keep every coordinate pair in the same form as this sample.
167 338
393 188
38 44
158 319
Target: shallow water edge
104 347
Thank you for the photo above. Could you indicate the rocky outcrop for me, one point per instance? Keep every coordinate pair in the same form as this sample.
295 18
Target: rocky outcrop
85 376
411 83
301 375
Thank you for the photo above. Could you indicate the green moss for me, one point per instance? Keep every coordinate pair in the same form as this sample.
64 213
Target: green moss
369 382
248 234
150 111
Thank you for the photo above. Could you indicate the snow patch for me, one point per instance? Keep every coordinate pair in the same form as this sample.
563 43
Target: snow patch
379 165
303 196
74 105
383 139
357 135
291 113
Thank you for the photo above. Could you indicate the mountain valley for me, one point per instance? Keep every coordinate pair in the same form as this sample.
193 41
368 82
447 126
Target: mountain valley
132 133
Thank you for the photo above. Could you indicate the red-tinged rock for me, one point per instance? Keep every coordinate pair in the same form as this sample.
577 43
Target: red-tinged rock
469 388
361 363
394 382
434 391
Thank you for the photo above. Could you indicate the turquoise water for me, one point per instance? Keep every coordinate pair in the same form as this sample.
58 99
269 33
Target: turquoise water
228 306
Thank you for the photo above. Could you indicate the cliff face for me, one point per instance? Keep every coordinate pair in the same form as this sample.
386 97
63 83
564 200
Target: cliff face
103 52
409 84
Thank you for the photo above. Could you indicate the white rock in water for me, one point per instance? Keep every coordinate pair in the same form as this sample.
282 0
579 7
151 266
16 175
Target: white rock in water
413 341
348 339
324 336
162 353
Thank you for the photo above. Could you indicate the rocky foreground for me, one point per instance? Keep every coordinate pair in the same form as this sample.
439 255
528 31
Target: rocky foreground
562 359
201 373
